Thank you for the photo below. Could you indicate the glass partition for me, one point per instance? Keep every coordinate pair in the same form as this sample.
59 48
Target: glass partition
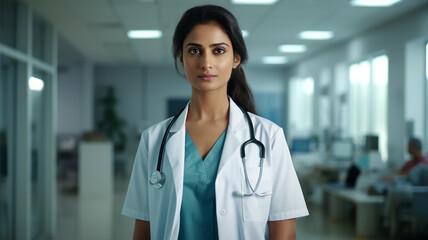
8 68
42 39
36 83
13 24
27 150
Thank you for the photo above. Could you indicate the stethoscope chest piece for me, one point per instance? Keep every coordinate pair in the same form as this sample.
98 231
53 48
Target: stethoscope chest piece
157 180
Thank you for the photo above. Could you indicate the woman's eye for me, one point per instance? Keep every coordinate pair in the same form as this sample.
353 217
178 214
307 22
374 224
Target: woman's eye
219 51
194 51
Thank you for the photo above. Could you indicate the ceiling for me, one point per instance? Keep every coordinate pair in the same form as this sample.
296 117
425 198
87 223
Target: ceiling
98 28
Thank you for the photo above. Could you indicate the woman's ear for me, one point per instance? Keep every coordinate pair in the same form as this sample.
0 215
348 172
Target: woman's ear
180 57
236 60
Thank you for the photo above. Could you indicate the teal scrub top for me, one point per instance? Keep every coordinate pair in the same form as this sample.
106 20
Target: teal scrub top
198 212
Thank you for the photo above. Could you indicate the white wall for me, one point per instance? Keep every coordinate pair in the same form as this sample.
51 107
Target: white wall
163 83
70 102
75 98
75 91
390 39
265 79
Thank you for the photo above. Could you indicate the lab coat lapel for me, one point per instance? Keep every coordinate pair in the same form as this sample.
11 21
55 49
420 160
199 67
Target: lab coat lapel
233 141
175 145
175 150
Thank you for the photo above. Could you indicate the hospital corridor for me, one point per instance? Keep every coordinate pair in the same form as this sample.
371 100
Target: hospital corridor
319 113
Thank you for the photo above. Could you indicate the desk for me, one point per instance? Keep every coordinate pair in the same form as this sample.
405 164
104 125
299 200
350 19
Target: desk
365 206
333 171
95 198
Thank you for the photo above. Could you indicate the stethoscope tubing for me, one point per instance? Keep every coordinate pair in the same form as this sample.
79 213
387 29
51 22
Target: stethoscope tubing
165 136
157 179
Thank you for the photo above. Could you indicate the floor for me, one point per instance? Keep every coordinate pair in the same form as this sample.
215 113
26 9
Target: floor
94 219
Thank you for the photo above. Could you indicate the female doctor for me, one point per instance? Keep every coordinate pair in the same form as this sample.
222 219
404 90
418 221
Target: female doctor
208 190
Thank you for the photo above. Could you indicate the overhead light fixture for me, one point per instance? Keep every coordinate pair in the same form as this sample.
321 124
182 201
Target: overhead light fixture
244 33
144 34
316 35
373 3
274 60
36 84
292 48
254 2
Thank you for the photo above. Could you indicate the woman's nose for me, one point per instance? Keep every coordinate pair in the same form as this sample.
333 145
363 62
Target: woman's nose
206 61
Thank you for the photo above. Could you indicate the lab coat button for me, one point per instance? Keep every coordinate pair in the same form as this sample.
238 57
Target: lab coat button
223 212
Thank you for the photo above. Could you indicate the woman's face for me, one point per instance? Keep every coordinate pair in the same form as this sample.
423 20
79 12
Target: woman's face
208 57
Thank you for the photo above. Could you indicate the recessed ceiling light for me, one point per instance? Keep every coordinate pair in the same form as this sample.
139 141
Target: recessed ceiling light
144 34
292 48
316 35
244 33
36 84
274 60
254 2
373 3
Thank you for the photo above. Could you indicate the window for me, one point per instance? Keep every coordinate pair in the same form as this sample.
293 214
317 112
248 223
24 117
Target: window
369 100
426 94
359 77
426 61
301 93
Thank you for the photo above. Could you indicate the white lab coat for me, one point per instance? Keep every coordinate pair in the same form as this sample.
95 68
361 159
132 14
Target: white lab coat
237 217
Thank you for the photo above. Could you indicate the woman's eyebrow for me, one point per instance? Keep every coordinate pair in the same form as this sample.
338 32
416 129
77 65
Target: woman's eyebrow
211 45
193 44
218 44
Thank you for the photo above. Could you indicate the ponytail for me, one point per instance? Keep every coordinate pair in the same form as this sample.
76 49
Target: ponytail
239 91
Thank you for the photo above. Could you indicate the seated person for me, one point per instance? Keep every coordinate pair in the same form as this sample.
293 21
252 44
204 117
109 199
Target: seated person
414 148
400 195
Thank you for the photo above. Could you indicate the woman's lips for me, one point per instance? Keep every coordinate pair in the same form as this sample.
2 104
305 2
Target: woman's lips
207 77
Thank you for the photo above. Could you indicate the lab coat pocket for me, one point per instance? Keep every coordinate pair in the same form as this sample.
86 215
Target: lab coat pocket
256 208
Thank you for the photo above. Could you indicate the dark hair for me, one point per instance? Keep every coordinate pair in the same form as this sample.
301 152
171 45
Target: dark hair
237 87
416 143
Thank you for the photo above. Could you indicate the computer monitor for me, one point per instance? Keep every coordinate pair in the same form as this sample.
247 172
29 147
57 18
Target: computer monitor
372 143
342 150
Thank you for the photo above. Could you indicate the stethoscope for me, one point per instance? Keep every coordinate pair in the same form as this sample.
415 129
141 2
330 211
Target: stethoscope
157 179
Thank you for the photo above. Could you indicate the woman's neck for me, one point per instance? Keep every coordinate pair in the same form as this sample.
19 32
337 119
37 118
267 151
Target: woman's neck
208 106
